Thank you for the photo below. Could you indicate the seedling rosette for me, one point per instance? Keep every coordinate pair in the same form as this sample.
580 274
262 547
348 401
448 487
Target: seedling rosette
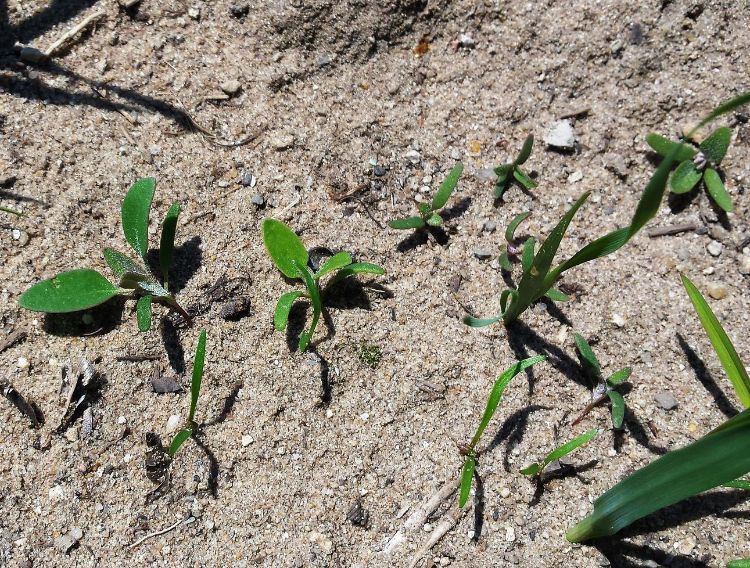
512 172
429 213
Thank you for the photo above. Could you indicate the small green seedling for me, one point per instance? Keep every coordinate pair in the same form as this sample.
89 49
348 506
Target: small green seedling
507 173
195 389
428 212
84 288
469 451
605 388
536 469
12 211
370 355
698 164
512 250
291 258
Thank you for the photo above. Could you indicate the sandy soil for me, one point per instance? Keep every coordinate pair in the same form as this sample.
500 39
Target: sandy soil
324 88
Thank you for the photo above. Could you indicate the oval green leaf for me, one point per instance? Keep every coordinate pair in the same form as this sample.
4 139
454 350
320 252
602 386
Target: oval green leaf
338 260
715 146
135 211
71 291
143 312
619 376
685 177
120 264
284 247
664 146
716 190
618 409
283 307
408 223
447 187
587 353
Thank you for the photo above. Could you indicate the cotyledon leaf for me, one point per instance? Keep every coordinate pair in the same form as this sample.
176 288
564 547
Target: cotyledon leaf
143 312
284 247
663 146
338 260
283 307
715 146
70 291
407 223
135 212
716 190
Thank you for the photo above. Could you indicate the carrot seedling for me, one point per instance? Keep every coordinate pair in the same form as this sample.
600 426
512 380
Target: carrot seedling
510 172
291 258
605 388
469 450
429 212
195 389
538 274
696 165
84 288
536 469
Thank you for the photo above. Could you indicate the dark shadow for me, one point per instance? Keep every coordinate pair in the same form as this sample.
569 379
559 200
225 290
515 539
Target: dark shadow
414 240
296 324
325 381
623 554
228 405
22 198
439 235
562 470
479 505
512 431
98 320
351 294
633 426
705 378
172 345
456 210
213 464
186 261
678 202
554 310
57 12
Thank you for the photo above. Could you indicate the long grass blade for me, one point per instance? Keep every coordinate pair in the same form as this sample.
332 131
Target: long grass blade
195 385
466 476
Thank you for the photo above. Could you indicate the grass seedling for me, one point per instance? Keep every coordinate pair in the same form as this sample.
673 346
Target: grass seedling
536 469
512 250
291 258
717 459
605 388
538 274
698 164
469 451
11 211
429 212
507 173
84 288
195 389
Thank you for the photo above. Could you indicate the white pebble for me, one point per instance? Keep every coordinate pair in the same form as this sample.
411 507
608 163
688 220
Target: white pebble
23 363
121 420
714 248
57 493
510 534
618 320
173 423
247 440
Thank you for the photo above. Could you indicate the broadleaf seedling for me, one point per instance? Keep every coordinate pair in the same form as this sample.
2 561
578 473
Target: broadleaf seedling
512 172
469 451
536 469
698 164
291 257
195 390
429 213
604 388
84 288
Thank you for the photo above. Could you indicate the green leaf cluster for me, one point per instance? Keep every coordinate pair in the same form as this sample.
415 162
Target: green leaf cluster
536 469
429 212
80 289
512 172
195 390
291 257
698 164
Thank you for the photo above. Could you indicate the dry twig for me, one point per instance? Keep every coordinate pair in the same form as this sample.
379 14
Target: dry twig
52 49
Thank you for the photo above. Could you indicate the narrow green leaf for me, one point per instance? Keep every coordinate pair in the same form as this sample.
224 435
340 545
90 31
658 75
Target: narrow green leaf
525 151
716 458
425 210
195 385
556 295
178 440
502 172
523 179
619 376
505 263
166 245
317 304
135 211
447 187
618 408
527 258
284 247
510 232
338 260
739 563
509 295
728 356
715 146
722 109
148 285
467 474
471 321
435 220
120 264
500 186
13 211
531 469
570 446
408 223
717 190
588 354
70 291
497 392
143 312
356 268
685 177
283 307
598 248
663 146
743 484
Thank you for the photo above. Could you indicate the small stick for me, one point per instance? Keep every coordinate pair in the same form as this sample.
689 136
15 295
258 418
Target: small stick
576 112
71 32
593 404
440 530
672 230
136 358
157 533
12 339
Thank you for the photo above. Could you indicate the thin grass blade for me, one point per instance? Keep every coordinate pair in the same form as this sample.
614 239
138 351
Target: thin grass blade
728 356
527 258
570 446
195 385
471 321
467 474
181 437
588 354
528 144
510 232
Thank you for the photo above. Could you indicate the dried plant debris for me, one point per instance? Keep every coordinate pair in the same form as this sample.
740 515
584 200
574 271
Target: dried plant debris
28 409
82 388
358 515
157 459
12 339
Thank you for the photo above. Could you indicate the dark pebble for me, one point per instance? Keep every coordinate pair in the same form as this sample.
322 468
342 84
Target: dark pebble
239 10
379 170
236 308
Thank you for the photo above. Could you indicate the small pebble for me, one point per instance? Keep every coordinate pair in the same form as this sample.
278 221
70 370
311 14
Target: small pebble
413 156
323 60
379 170
618 320
235 309
231 87
744 263
258 200
714 248
510 534
247 440
173 423
65 543
282 142
455 154
717 291
576 176
194 13
76 533
561 135
122 420
666 401
23 363
239 10
616 46
685 547
504 492
465 40
30 54
57 493
489 226
482 253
